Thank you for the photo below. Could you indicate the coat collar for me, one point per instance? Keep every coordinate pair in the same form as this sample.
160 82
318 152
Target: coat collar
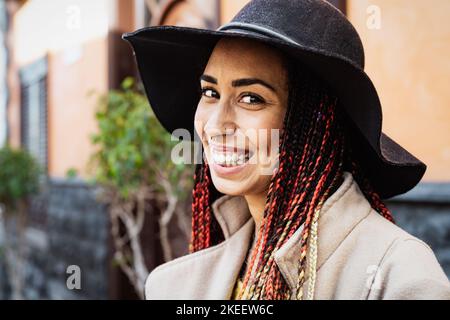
231 213
213 271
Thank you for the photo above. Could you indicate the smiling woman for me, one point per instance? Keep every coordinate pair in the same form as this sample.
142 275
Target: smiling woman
297 214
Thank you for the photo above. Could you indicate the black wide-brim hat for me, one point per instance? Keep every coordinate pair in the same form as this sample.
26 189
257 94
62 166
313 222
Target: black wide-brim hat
171 59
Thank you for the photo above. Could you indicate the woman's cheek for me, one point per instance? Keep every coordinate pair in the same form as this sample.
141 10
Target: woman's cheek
199 121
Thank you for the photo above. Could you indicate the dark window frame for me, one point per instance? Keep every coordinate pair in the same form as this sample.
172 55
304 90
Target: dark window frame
33 81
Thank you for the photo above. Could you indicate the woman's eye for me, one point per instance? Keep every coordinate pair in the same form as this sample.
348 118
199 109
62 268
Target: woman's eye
251 99
210 93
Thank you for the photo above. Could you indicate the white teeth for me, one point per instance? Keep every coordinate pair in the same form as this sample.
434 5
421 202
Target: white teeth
229 159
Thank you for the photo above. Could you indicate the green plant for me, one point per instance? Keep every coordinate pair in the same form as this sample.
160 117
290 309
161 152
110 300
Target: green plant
19 176
71 173
133 148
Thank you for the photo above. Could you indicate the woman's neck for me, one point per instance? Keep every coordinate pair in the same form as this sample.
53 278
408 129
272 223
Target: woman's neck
256 204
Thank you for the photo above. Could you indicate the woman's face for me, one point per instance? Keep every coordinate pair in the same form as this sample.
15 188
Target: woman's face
241 111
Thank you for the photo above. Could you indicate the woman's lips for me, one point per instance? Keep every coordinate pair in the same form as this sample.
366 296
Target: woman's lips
227 171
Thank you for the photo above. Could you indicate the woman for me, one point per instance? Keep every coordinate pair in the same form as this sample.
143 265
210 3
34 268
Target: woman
298 215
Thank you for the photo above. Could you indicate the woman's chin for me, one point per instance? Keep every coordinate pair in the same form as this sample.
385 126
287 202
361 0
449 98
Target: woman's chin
230 187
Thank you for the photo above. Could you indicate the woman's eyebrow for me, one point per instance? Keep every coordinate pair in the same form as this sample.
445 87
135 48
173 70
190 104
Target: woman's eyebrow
208 78
250 81
239 82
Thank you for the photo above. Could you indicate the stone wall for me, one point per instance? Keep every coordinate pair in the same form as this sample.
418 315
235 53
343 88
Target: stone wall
67 227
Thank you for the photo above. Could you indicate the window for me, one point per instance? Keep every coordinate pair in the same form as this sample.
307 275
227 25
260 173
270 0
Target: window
33 85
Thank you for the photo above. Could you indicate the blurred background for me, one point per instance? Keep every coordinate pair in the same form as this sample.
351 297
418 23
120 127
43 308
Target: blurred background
90 203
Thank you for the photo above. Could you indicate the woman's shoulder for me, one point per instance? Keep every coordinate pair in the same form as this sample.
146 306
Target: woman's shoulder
408 267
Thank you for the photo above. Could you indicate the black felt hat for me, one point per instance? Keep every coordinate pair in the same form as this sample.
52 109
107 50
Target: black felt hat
171 59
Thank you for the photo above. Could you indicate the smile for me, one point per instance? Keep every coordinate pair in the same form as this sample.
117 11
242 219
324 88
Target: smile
229 156
230 159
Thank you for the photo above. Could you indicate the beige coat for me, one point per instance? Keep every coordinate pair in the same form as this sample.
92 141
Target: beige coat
361 255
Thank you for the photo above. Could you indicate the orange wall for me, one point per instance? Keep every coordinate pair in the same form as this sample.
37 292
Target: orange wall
408 60
228 9
71 111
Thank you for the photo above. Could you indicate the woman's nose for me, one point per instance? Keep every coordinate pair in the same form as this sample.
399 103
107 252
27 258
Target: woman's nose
221 121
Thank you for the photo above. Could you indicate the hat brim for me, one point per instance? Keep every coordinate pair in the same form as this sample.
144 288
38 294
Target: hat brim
171 60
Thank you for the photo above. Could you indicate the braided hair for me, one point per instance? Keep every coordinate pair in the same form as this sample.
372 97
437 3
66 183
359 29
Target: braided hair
315 149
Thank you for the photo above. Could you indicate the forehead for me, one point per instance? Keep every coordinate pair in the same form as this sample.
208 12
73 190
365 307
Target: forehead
245 57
